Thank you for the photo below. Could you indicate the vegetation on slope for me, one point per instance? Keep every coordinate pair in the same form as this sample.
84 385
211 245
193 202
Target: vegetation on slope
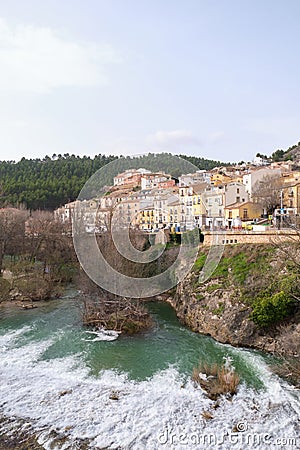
51 182
260 279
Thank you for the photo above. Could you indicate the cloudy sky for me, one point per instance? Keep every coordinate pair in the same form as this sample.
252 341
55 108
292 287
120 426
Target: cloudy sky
211 78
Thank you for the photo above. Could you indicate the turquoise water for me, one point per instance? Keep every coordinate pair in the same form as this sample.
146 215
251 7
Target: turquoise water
167 344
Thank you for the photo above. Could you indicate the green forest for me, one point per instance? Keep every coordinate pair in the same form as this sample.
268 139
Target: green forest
53 181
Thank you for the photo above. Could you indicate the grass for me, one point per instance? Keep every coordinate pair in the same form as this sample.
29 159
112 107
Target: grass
236 265
199 263
219 311
216 380
213 287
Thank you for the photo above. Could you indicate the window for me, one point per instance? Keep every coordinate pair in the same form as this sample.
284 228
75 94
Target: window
237 190
245 213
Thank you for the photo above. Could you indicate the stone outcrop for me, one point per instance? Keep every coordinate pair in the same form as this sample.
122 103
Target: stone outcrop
219 312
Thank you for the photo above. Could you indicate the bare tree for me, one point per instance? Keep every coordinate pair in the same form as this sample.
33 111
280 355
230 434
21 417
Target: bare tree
49 242
267 193
12 231
287 246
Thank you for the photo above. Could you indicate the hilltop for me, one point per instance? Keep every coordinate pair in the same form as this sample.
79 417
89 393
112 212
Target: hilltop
51 182
291 154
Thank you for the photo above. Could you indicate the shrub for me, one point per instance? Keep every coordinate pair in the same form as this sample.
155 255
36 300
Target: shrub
271 309
217 380
36 288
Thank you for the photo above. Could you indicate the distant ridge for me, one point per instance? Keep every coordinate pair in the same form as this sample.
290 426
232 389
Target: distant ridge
292 154
53 181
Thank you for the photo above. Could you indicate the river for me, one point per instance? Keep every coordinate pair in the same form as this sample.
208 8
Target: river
134 392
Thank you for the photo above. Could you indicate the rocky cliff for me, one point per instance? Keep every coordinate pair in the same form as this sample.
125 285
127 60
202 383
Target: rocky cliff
222 307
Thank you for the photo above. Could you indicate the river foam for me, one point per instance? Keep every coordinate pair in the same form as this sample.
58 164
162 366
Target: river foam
163 412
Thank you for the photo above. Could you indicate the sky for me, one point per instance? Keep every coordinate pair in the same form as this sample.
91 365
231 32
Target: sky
212 78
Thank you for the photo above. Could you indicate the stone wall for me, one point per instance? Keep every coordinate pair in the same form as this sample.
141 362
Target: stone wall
249 237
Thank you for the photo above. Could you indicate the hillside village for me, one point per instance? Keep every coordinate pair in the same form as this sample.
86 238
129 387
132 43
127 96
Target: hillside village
253 196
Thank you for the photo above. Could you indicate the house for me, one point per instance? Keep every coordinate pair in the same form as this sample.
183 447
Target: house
200 176
65 213
219 178
217 197
173 208
214 202
130 176
260 161
244 211
156 180
188 196
146 218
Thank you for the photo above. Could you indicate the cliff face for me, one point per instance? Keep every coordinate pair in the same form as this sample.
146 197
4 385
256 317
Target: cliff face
220 308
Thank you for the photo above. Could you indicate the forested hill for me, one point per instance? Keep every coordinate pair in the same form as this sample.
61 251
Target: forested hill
51 182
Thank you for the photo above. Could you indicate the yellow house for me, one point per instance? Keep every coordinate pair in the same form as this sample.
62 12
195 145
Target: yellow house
199 207
146 219
220 178
243 211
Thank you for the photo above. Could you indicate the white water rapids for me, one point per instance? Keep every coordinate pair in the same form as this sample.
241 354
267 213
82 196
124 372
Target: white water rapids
163 412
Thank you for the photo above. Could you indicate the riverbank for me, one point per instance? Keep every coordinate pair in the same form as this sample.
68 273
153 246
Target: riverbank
19 437
247 280
18 434
247 302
